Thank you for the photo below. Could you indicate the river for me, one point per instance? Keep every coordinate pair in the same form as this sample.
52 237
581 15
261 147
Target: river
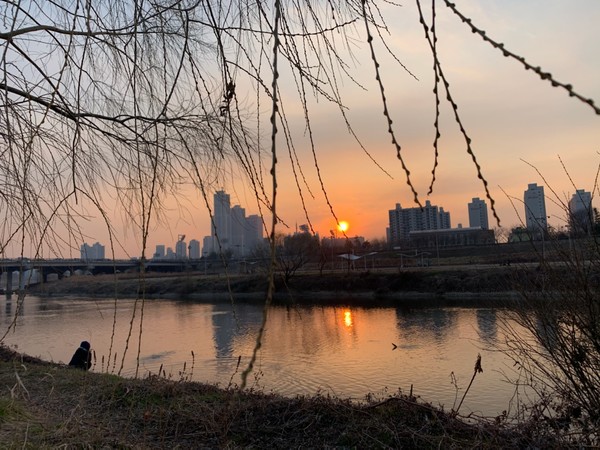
348 352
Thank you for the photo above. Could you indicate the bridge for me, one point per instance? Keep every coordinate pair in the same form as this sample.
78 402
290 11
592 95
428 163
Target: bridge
33 271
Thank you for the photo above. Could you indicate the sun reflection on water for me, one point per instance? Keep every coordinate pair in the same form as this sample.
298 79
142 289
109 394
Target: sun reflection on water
348 318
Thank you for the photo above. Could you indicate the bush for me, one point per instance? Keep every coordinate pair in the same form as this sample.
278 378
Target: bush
560 351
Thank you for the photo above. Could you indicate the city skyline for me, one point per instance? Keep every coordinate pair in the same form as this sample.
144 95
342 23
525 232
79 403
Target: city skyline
402 224
518 124
522 130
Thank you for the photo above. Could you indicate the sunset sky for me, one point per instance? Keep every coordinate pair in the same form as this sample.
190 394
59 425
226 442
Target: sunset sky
517 123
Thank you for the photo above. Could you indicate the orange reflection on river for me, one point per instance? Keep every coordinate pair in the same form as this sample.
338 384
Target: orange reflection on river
348 318
306 349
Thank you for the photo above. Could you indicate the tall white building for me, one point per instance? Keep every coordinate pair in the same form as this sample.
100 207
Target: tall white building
238 231
581 216
207 245
231 230
194 249
221 226
254 231
478 214
404 220
180 249
535 207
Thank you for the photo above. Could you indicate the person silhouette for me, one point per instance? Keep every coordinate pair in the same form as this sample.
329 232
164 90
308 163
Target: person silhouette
82 358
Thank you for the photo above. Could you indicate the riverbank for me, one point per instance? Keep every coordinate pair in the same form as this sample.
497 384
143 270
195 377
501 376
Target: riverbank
47 405
477 285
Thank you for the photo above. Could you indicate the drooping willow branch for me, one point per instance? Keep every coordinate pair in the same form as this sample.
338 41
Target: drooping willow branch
140 98
273 262
386 111
546 76
436 93
454 105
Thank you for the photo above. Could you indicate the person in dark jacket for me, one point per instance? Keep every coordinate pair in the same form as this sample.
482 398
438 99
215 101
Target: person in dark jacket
82 359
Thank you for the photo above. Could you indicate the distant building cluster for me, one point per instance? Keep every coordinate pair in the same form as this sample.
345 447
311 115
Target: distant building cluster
429 226
580 214
405 220
237 235
231 231
182 250
92 252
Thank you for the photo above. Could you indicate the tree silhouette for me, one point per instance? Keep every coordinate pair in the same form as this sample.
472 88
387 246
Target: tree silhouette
116 104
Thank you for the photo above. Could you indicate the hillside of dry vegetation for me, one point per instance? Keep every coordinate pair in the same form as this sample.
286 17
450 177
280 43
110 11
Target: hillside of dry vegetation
44 405
302 287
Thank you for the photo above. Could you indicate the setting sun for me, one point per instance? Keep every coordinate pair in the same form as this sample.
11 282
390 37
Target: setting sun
343 226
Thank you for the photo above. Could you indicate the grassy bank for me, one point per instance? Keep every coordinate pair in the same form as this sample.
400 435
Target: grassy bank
489 284
45 405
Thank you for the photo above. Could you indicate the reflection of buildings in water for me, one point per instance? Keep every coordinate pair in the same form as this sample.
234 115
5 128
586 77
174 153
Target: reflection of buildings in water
487 325
311 329
229 323
434 322
13 306
308 330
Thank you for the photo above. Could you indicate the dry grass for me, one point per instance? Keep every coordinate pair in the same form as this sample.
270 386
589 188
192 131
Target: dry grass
45 405
372 285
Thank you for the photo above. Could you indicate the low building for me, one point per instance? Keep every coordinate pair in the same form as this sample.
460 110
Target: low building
451 237
520 234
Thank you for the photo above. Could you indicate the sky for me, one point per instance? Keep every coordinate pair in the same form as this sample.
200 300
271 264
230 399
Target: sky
517 122
523 130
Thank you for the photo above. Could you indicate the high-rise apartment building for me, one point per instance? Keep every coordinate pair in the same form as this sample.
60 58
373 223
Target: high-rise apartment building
207 245
92 252
581 215
535 207
160 251
232 231
404 220
194 249
238 231
181 249
478 214
221 226
254 231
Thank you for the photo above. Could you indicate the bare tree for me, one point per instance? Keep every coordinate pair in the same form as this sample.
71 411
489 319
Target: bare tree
554 334
295 251
124 101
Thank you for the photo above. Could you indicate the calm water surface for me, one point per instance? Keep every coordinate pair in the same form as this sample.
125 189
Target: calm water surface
343 351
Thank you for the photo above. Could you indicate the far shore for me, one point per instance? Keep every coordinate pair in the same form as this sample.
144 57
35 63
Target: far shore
445 287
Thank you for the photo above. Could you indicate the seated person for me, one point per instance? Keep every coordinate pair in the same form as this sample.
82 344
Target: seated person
82 359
